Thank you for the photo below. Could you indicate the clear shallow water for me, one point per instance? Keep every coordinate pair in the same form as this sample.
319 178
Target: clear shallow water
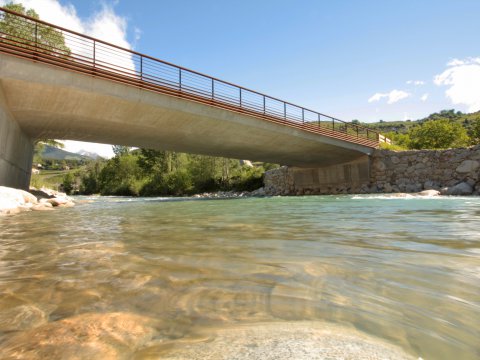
403 270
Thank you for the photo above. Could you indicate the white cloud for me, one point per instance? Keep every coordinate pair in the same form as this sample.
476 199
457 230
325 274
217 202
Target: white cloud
393 96
424 97
463 80
416 82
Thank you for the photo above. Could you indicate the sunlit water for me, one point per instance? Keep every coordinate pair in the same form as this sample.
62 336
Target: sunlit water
406 271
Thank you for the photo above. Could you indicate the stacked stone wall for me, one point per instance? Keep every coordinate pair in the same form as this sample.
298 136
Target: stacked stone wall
452 171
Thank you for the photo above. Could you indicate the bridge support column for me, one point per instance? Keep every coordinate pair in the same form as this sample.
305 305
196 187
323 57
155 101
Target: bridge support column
16 150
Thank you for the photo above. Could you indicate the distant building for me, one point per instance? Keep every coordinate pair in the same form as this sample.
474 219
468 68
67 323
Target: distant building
246 163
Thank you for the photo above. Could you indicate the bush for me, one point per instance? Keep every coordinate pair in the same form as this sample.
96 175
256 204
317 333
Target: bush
68 183
438 134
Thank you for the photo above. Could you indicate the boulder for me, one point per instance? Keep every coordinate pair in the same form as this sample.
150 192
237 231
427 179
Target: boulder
68 204
300 340
467 166
85 336
57 201
429 184
460 189
13 201
429 193
258 192
379 166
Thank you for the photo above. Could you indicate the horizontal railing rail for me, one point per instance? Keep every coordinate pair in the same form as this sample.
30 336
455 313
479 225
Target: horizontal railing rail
27 37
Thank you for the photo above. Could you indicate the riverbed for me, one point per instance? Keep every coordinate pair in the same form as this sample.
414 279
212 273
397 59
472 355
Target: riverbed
147 278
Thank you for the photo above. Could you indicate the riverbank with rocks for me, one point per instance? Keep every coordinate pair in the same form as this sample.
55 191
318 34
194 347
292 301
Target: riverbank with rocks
451 172
15 201
230 194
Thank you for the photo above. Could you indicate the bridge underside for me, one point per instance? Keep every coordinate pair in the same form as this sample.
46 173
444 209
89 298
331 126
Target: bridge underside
49 102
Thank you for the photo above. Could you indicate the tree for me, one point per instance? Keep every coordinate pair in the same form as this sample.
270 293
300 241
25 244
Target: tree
438 134
29 34
89 181
68 182
121 176
120 150
474 131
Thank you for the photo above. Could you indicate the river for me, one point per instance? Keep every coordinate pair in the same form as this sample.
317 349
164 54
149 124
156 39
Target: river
146 278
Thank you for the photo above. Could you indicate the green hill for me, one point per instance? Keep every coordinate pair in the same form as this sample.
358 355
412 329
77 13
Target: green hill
403 126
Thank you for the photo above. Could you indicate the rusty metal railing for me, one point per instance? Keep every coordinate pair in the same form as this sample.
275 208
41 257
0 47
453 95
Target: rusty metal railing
30 38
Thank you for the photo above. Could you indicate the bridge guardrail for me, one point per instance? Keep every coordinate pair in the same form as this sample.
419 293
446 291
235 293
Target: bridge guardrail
38 40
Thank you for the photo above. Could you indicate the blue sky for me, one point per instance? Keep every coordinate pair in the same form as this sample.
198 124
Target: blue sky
366 60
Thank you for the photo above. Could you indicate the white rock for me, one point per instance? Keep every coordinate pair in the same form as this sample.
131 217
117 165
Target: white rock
13 200
68 204
429 193
57 201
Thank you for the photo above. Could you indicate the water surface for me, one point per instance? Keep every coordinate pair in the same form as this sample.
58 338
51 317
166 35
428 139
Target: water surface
404 270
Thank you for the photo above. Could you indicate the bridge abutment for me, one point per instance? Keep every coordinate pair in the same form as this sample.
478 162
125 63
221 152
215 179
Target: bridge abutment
453 171
16 149
350 177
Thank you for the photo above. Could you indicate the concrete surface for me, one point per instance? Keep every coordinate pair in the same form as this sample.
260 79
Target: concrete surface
16 149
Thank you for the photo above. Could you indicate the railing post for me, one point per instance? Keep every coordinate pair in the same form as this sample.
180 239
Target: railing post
36 35
94 55
285 110
141 67
357 130
213 89
263 104
180 78
240 97
333 124
319 124
303 115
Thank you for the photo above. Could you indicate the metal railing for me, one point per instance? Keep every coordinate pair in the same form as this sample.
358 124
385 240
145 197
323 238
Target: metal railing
40 41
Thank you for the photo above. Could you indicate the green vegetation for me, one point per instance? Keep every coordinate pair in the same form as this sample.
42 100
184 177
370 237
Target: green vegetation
442 130
438 134
145 172
150 173
51 179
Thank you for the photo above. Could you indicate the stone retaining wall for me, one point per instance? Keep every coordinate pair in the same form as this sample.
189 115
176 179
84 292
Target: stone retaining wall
453 171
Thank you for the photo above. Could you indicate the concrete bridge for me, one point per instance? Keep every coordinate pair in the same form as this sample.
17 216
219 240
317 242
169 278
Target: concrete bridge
81 88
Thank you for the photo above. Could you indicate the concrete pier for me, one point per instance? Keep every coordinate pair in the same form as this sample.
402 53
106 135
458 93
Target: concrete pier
16 149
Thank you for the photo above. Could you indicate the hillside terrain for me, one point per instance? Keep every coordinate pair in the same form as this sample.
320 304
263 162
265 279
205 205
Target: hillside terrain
399 126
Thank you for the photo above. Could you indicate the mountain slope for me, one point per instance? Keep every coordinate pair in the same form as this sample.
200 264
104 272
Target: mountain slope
53 153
